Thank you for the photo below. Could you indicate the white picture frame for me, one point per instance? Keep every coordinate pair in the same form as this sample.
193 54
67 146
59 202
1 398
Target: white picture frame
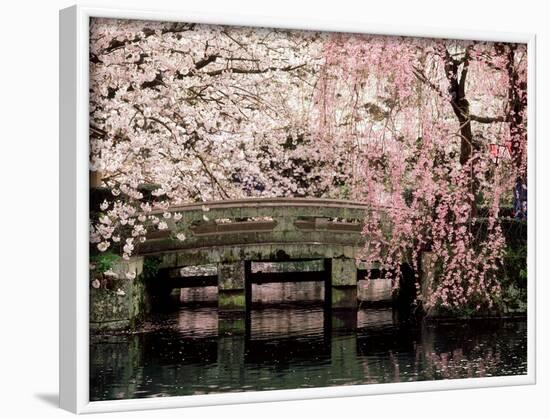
74 212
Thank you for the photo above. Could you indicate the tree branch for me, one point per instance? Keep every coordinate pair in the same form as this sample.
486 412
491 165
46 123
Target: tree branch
205 61
253 71
486 119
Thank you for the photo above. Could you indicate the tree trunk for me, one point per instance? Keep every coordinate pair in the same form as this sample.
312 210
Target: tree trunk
461 108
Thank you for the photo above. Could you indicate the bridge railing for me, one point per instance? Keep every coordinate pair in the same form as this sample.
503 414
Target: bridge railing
260 220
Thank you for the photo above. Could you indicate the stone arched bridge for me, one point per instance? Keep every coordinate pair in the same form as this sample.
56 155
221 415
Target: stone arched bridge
233 233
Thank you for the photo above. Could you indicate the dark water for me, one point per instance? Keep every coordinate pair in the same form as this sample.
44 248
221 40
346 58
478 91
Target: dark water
192 351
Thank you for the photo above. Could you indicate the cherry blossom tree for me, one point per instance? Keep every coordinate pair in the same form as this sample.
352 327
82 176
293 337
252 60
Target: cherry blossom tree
420 116
202 112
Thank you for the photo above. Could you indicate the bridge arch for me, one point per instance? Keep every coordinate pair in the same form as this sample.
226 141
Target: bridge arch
234 233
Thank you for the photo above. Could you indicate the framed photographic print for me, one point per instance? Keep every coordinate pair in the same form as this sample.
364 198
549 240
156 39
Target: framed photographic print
265 209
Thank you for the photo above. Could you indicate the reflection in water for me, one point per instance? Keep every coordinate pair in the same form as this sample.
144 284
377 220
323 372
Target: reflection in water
276 293
195 295
286 292
374 290
183 353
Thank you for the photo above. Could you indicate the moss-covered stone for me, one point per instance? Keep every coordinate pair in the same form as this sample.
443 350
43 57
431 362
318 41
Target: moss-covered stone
344 272
231 300
344 297
120 301
231 325
231 276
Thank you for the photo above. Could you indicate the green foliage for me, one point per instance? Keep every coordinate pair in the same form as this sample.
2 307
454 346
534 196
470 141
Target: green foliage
514 279
104 261
515 265
513 299
151 267
408 196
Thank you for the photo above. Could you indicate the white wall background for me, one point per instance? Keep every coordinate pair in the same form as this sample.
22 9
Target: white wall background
29 206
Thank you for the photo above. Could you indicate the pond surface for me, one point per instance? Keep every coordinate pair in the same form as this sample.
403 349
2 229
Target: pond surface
193 351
